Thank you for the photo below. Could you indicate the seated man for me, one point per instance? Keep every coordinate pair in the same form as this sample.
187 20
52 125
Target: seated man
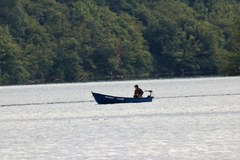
138 92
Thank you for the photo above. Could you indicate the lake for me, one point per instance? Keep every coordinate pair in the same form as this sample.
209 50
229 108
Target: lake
192 118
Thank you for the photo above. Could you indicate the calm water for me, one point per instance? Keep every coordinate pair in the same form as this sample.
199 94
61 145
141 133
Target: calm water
189 119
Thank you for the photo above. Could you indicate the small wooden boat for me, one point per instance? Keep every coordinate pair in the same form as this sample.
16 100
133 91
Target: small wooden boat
108 99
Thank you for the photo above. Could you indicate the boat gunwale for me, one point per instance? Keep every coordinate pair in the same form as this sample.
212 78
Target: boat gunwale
122 97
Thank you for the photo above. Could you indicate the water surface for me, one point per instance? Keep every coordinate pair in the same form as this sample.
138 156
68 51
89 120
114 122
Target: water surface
195 118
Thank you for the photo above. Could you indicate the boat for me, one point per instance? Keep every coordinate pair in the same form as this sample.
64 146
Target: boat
108 99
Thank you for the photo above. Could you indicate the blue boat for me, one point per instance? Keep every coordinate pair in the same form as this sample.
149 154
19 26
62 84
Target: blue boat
108 99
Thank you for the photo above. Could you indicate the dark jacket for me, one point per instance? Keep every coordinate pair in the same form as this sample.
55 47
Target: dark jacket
138 93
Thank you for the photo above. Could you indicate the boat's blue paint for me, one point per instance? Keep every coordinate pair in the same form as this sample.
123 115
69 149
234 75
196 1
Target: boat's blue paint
108 99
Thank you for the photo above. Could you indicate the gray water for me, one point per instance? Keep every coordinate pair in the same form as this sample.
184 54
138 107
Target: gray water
195 118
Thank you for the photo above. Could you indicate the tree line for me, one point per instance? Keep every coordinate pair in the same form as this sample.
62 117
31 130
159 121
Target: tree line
50 41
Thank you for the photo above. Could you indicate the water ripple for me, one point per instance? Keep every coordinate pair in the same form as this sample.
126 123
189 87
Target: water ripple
87 101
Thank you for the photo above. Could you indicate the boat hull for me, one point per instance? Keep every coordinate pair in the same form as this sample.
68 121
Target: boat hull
108 99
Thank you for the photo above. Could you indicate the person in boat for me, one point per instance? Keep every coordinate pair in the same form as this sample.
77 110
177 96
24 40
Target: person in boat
138 92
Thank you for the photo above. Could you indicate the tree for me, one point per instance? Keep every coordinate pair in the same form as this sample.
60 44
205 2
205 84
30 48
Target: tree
113 44
181 44
45 41
12 70
224 15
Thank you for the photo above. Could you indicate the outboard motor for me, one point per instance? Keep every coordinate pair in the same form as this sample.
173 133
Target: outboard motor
150 93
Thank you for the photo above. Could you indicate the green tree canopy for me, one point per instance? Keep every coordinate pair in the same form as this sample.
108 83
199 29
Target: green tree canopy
46 41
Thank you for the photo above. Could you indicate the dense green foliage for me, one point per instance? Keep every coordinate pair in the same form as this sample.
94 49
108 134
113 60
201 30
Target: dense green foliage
46 41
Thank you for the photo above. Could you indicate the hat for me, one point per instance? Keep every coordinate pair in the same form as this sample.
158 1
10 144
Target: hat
136 85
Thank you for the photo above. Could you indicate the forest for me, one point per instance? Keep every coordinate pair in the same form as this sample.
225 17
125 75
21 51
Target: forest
56 41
